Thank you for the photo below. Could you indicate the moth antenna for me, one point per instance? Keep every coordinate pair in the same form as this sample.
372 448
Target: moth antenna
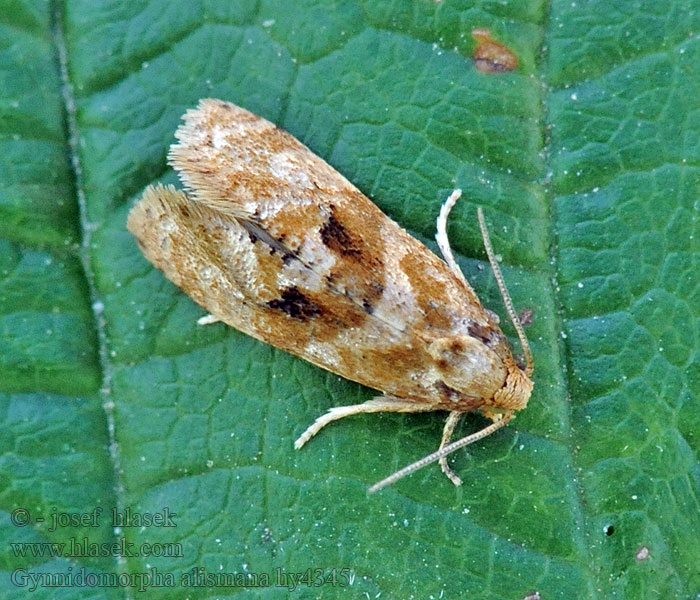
505 295
444 451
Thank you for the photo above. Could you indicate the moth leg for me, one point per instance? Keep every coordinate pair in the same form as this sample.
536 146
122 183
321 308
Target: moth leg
452 420
381 404
207 320
499 420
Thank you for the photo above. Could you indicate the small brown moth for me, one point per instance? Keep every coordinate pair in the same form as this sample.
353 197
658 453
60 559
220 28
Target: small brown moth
273 241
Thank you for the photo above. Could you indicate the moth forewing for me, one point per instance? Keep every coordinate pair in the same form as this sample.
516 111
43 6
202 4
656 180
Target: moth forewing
270 239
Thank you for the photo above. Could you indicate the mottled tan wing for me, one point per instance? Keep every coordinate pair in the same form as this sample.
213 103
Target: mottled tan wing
276 243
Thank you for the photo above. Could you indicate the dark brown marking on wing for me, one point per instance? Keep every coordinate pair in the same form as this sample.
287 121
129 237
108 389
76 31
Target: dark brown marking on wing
447 392
336 237
481 333
489 336
257 233
295 304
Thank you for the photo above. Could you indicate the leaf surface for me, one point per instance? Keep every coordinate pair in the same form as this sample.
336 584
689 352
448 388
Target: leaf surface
585 161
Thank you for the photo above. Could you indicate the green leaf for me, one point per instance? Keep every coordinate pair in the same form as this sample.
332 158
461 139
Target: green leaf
585 161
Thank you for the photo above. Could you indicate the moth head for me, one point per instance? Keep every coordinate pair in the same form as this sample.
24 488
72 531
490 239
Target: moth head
515 392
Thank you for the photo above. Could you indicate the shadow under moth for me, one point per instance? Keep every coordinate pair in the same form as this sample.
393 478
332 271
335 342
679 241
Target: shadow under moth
271 240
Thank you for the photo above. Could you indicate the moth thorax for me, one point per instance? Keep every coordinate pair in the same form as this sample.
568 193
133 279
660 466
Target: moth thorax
516 391
461 360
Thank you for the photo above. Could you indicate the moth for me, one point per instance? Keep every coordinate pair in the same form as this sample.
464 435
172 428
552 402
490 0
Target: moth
274 242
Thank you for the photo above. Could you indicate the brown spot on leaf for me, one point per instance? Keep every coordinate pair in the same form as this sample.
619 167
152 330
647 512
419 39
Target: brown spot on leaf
295 304
525 316
490 55
642 554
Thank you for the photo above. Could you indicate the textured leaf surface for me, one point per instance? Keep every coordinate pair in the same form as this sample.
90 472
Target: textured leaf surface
585 160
